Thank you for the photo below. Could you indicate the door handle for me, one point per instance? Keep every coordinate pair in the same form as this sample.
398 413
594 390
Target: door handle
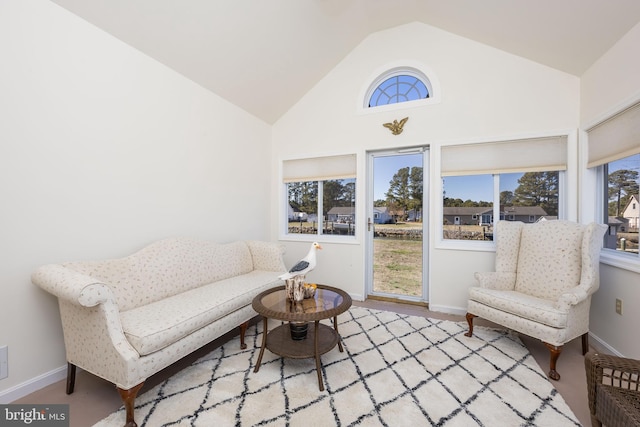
369 224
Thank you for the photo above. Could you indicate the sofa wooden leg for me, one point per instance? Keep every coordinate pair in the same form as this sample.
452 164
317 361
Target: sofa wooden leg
554 353
243 331
71 377
585 343
470 322
129 399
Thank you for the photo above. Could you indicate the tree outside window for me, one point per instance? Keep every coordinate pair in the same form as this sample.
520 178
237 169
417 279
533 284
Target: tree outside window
623 217
468 206
404 197
322 207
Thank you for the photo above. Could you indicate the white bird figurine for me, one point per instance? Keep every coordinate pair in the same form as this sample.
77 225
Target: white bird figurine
305 265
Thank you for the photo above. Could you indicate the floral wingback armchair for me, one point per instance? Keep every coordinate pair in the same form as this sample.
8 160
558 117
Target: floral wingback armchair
545 275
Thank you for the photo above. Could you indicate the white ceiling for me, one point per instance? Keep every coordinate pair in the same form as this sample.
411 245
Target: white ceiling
264 55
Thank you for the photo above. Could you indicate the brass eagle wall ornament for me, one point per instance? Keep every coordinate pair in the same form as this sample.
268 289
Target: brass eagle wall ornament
396 126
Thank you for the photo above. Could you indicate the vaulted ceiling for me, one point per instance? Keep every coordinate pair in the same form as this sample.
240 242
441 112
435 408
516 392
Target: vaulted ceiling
264 55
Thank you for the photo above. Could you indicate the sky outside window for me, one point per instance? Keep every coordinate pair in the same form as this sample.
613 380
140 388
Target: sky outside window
462 187
386 167
628 163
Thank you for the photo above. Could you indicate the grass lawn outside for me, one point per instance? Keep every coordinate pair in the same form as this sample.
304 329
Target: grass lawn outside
397 263
397 266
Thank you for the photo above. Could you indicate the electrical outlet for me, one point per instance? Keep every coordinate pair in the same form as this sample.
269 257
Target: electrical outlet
4 362
619 306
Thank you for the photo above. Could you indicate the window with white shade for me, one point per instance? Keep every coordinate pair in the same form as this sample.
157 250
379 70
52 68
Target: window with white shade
614 150
321 197
514 180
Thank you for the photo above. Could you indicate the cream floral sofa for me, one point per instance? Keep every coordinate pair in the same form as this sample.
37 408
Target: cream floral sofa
126 319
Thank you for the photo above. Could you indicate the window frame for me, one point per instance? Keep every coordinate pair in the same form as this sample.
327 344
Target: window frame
411 68
412 74
593 204
284 235
489 245
567 179
608 256
396 72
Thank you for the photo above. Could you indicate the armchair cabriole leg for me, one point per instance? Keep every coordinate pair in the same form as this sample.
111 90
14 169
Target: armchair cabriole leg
470 322
554 353
71 377
129 399
243 331
585 343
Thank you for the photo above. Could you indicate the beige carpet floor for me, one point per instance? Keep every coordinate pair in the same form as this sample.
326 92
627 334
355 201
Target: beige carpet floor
95 398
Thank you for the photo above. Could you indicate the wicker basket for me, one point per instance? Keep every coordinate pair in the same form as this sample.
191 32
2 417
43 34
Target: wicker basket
613 385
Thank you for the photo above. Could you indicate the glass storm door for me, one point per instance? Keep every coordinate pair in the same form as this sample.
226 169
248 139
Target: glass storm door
396 225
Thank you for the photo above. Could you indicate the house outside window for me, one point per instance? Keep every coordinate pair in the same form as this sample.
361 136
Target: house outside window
623 216
338 207
516 198
614 153
316 205
533 193
382 215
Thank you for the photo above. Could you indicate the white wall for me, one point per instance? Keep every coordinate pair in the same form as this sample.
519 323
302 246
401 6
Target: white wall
102 151
612 82
486 94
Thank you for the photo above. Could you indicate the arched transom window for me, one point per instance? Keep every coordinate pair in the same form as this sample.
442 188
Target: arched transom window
398 85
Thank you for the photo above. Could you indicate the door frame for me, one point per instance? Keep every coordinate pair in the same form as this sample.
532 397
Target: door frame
426 217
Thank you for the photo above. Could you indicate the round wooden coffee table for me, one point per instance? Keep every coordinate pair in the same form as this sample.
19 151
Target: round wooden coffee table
289 339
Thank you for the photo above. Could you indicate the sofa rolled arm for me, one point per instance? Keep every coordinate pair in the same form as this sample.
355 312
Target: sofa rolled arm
498 280
72 286
94 294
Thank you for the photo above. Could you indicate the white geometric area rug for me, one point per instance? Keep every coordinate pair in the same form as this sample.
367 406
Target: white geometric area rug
396 370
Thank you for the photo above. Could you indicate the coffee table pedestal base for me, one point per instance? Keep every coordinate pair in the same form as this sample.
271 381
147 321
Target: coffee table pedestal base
320 339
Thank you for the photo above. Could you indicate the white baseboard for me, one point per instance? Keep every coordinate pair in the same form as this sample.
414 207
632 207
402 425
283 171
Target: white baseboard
448 309
357 297
601 346
14 393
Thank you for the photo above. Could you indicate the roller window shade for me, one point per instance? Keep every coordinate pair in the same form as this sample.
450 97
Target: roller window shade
319 168
523 155
615 138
